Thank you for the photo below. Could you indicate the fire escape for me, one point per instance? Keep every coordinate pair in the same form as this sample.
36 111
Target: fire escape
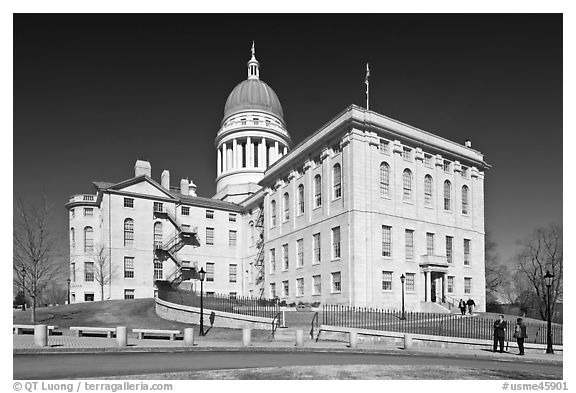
259 263
185 236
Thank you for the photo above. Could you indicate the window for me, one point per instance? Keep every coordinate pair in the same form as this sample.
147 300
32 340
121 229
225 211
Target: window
300 287
157 235
285 261
272 290
89 271
428 160
285 289
300 252
72 213
407 153
300 199
407 185
336 282
467 285
316 285
384 146
446 166
336 149
232 295
251 229
337 181
429 243
128 232
464 172
317 191
428 190
272 260
384 180
128 267
447 195
88 212
231 273
72 238
88 239
449 241
386 281
209 236
73 272
186 228
286 202
273 214
316 247
158 269
467 252
210 271
158 207
232 217
336 243
128 294
210 214
88 297
129 202
450 284
185 210
232 238
409 240
464 200
386 241
410 282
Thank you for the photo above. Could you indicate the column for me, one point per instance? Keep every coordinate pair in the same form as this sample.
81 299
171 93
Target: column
271 157
444 287
276 151
240 155
249 153
262 155
428 286
234 154
219 162
285 151
224 157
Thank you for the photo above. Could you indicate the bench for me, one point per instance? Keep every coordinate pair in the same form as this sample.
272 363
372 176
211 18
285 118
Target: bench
20 329
156 332
110 332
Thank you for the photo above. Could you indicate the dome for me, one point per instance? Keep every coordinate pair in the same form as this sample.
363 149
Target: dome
253 94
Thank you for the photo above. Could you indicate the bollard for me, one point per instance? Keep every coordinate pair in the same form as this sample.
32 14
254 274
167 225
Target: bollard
246 337
407 341
41 335
189 337
299 338
283 319
121 336
353 339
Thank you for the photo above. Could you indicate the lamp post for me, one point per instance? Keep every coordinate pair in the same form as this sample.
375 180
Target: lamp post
201 275
548 279
68 296
402 278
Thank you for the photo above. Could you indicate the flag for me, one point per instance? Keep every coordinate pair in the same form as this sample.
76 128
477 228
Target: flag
367 73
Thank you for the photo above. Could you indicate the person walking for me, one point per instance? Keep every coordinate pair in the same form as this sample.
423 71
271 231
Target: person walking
470 303
462 306
500 326
520 335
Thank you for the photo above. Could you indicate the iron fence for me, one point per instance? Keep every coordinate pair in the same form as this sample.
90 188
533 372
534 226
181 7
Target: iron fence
218 302
451 325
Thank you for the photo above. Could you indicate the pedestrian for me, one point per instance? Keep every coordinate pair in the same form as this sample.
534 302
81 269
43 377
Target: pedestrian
462 306
212 318
500 326
520 335
471 305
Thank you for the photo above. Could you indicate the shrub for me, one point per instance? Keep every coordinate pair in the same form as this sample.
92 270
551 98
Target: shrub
315 304
292 304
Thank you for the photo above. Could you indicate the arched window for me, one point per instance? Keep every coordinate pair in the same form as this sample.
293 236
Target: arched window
464 200
317 191
384 180
407 185
286 202
273 213
337 181
72 239
300 199
128 232
251 233
428 190
447 195
157 234
88 239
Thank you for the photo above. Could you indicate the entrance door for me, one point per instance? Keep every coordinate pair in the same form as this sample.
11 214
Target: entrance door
433 289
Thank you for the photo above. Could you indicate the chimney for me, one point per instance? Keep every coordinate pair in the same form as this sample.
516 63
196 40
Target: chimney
165 179
192 189
184 186
468 143
142 168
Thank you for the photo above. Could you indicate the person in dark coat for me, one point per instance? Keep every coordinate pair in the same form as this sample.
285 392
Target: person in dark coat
500 326
212 318
462 306
520 335
470 303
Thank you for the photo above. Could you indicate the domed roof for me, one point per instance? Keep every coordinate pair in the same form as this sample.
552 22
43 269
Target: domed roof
253 94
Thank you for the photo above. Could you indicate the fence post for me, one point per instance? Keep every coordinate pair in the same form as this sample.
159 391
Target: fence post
41 335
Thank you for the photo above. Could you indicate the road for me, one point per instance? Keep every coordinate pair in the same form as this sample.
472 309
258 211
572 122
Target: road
86 365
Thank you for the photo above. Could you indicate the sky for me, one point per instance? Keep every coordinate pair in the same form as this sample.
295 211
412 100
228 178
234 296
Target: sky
95 92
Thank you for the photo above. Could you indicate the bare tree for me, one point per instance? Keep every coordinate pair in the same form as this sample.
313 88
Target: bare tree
496 273
34 250
103 271
542 252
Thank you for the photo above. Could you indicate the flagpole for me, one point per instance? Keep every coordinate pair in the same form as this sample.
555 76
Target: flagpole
367 81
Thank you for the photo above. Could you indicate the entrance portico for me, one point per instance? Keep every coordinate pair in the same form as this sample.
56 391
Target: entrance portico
434 268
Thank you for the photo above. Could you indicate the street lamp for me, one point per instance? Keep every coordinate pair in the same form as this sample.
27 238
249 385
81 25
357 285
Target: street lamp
68 281
402 278
201 275
548 279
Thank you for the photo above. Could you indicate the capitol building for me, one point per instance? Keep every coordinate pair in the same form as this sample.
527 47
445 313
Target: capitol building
338 218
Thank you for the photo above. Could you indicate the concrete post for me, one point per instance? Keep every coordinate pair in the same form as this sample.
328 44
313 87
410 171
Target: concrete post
299 338
246 337
407 341
41 335
353 339
283 319
189 337
121 336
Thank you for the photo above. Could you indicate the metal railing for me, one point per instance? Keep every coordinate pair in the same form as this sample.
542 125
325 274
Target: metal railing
312 325
276 323
450 325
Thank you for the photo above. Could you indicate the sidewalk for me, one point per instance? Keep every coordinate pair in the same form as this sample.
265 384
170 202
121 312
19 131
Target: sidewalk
24 344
